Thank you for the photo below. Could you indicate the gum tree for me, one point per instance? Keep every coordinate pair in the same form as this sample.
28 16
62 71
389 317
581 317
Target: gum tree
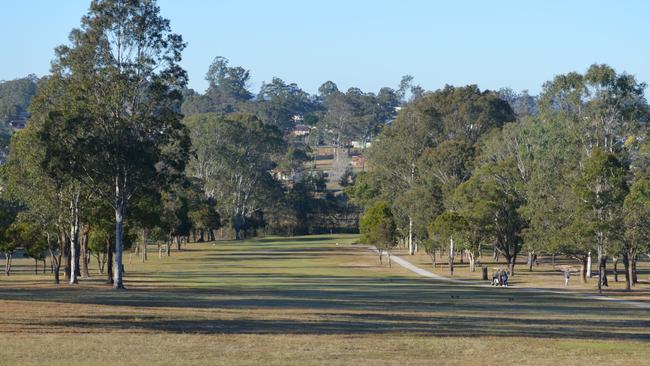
110 110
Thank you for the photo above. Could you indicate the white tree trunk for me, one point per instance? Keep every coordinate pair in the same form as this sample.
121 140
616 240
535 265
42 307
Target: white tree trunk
589 265
472 260
451 255
74 239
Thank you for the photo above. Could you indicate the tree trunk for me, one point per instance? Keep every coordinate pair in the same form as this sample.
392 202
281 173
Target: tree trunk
109 261
411 249
583 269
100 268
511 265
119 229
615 259
600 274
74 240
237 226
36 266
57 269
472 261
84 255
530 261
628 271
602 267
485 272
635 279
56 266
178 242
8 263
589 264
168 248
66 270
451 256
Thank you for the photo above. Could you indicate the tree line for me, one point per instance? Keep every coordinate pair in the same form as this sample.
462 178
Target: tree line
566 173
119 152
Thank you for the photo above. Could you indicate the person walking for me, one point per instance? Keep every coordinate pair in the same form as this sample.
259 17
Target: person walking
567 274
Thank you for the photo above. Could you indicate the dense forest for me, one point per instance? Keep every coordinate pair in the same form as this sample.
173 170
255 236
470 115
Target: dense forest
118 152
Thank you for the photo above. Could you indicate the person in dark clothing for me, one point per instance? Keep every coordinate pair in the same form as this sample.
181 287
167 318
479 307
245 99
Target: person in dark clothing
504 278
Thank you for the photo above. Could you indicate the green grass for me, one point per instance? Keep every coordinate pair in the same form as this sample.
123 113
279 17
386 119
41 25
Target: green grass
301 301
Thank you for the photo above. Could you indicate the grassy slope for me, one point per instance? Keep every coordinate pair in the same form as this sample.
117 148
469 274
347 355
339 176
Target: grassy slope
302 301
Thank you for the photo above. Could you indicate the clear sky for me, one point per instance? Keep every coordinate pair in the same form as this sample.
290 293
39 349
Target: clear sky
369 44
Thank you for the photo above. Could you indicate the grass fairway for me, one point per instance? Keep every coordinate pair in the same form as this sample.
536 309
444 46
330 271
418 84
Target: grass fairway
303 301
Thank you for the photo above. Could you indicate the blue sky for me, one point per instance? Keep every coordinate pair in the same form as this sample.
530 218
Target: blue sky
369 44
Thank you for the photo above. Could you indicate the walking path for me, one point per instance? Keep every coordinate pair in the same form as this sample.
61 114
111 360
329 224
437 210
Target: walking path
424 273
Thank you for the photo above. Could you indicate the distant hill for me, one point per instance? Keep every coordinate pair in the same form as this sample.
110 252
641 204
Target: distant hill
15 96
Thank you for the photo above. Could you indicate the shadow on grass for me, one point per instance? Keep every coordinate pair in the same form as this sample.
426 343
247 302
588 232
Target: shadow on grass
350 324
304 300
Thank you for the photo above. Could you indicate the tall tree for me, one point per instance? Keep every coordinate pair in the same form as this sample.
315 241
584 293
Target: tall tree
234 159
602 189
278 103
637 225
228 86
110 111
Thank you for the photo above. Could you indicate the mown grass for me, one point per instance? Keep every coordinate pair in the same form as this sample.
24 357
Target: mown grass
302 301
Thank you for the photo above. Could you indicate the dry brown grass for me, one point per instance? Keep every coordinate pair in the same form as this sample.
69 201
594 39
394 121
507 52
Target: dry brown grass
302 301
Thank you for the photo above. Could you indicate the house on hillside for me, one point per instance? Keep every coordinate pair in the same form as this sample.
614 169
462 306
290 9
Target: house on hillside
301 130
286 177
361 144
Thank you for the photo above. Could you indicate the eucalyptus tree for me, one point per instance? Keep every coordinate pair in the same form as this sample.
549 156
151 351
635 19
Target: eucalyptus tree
278 102
228 86
410 159
378 228
448 227
45 198
602 188
608 105
8 245
637 225
36 244
495 194
394 160
523 104
110 111
468 112
234 158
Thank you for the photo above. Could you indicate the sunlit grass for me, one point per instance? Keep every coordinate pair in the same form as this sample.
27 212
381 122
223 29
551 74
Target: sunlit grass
302 300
